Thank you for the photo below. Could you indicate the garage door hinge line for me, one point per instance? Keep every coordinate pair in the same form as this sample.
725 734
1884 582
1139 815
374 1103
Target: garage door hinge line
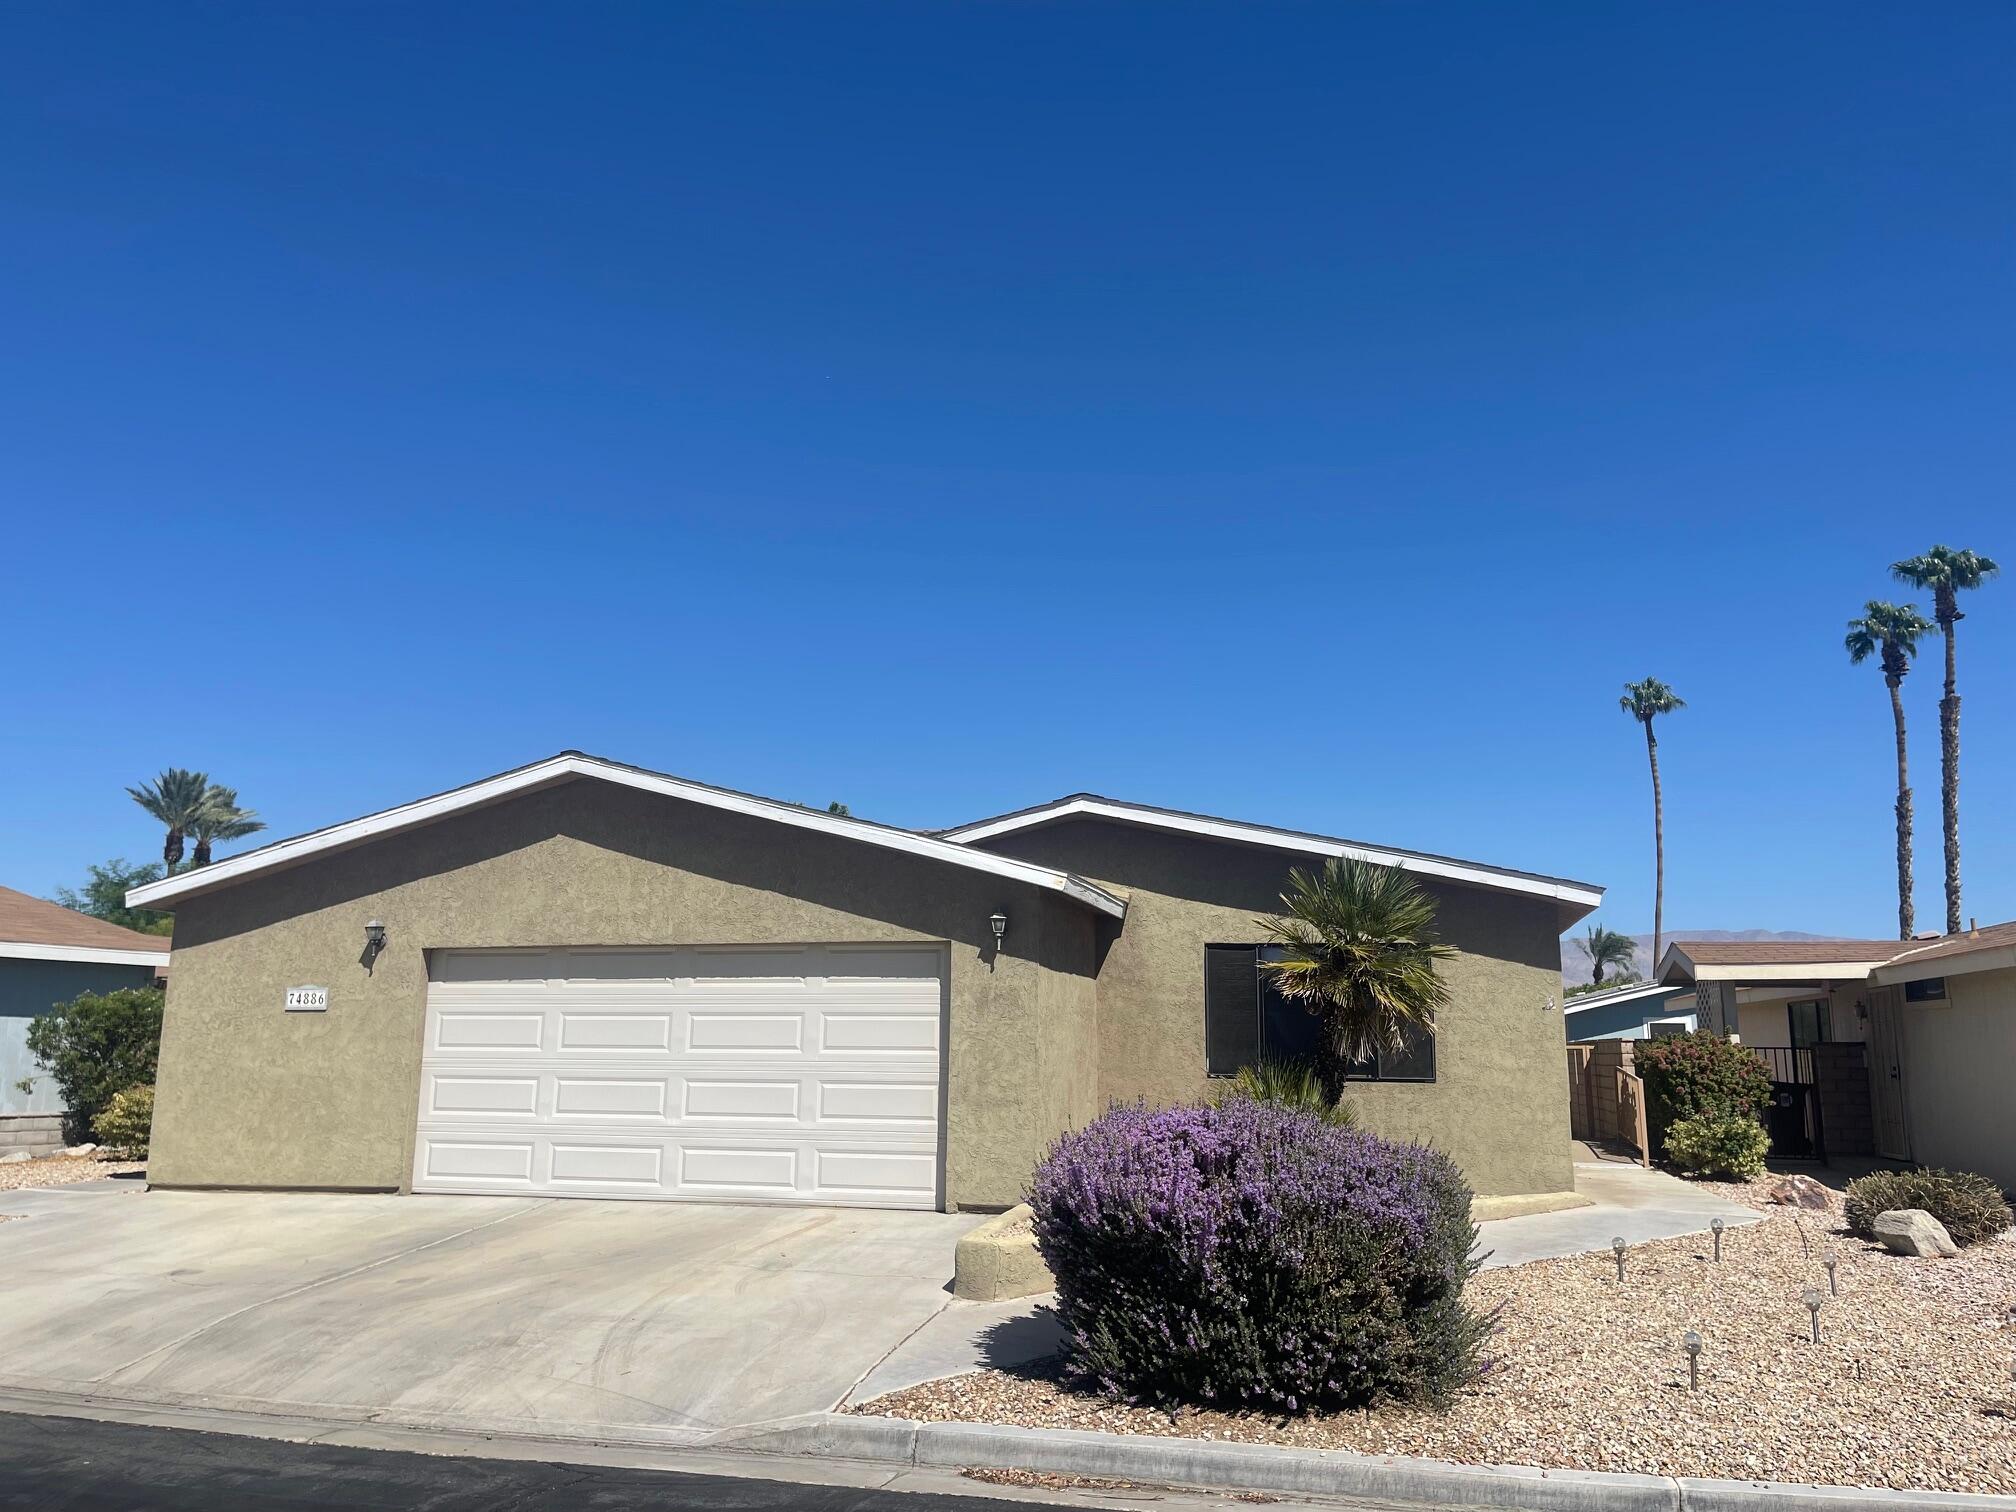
308 1286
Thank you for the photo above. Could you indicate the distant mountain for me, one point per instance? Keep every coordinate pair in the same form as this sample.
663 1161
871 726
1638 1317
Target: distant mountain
1575 960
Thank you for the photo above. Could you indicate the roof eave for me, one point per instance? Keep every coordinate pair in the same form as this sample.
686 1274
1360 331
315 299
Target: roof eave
1576 900
284 854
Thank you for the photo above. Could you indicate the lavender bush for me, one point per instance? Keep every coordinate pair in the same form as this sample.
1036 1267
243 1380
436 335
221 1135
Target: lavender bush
1250 1255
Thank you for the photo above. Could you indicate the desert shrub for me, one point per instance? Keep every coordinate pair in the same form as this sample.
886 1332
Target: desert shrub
1972 1207
1729 1147
1702 1073
123 1124
1251 1255
96 1045
1292 1084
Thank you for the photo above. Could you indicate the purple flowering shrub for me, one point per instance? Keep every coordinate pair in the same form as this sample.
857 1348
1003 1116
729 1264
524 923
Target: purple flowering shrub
1251 1255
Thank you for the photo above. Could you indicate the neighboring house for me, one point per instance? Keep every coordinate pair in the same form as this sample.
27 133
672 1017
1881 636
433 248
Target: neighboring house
1639 1011
1935 1019
48 955
597 980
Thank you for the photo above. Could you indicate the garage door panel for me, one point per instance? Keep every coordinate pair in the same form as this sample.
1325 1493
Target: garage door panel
598 1032
660 1075
609 1097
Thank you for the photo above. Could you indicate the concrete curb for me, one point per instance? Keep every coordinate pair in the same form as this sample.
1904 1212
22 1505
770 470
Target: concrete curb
1217 1465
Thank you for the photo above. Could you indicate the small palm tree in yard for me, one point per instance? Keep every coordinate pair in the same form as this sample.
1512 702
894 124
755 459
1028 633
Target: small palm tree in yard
1893 632
1606 948
1948 573
219 820
1357 947
177 799
1646 701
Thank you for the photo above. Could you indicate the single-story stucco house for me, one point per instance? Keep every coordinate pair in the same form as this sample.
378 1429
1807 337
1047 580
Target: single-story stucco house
50 954
1935 1018
582 978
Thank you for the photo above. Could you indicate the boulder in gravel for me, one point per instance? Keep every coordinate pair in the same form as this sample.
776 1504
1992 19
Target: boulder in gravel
83 1149
1799 1191
1913 1231
15 1158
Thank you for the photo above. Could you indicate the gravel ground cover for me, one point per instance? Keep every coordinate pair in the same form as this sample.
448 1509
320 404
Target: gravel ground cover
1910 1387
62 1170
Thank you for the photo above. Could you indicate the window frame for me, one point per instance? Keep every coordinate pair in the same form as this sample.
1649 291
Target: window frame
1264 998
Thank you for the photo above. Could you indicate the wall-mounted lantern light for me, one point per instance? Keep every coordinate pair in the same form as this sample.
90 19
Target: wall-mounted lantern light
999 924
374 941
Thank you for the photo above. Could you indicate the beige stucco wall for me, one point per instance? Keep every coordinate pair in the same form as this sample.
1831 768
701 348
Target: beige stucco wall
1957 1057
252 1096
1765 1022
1499 1103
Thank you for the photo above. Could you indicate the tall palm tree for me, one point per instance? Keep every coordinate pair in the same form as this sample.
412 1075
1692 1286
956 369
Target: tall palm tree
221 819
1358 949
176 798
1646 701
1893 630
1606 948
1946 573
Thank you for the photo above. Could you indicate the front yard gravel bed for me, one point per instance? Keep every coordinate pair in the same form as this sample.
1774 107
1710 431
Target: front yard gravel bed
62 1170
1909 1388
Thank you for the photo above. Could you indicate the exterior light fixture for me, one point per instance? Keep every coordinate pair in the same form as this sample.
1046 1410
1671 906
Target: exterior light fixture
1617 1248
1691 1342
1716 1228
1812 1298
374 941
999 924
1833 1286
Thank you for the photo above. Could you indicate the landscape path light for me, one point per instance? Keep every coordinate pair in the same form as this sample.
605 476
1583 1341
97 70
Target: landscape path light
1812 1298
1716 1228
1691 1342
1617 1247
1833 1286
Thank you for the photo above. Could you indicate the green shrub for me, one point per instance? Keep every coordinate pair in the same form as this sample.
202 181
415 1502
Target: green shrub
1727 1148
124 1123
1295 1085
95 1046
1971 1207
1702 1073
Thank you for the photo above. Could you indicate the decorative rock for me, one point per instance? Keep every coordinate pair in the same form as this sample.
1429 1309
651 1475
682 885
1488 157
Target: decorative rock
1913 1231
1800 1191
83 1149
15 1158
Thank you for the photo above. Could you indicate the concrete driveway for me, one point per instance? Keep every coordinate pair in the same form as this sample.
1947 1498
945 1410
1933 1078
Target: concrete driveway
666 1320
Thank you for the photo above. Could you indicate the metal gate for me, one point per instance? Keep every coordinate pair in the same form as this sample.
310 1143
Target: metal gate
1793 1119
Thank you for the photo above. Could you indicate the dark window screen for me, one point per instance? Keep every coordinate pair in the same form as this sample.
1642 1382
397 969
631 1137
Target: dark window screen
1231 1008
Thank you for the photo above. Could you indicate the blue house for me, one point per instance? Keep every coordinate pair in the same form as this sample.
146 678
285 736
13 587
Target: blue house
48 955
1637 1012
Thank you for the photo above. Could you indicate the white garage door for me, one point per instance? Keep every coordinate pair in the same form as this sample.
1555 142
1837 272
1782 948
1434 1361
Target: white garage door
788 1074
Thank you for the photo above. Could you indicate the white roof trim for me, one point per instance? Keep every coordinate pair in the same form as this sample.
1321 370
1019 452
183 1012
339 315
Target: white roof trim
1586 1000
1911 967
408 816
28 950
1260 834
1766 971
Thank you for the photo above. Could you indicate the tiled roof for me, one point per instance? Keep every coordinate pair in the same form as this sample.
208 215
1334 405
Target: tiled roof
33 921
1951 945
1786 952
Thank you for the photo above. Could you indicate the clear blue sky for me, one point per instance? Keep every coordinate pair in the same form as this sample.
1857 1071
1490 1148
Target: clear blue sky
1310 414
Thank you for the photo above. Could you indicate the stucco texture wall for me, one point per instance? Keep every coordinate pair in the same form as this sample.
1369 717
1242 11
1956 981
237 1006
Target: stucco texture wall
251 1096
1499 1103
1957 1055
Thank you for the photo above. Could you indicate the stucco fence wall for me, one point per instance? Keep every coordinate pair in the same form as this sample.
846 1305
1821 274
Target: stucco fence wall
251 1096
1496 1104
